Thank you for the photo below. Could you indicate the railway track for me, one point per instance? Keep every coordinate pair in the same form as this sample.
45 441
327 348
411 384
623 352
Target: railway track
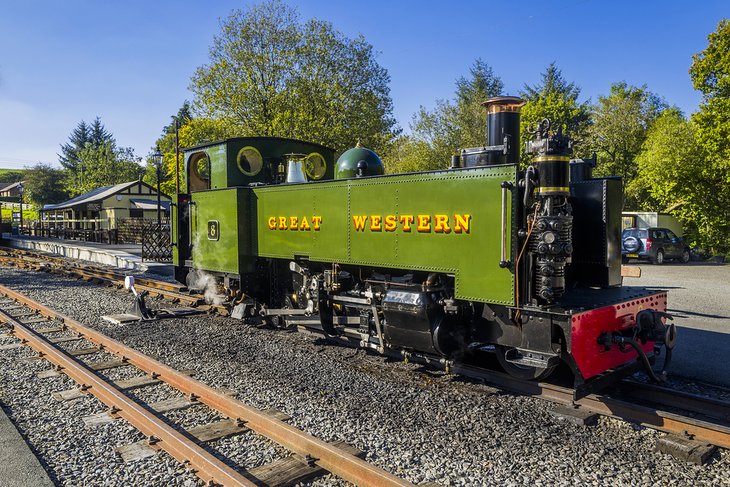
697 417
26 259
35 326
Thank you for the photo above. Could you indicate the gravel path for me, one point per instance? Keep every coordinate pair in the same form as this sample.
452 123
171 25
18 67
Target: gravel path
424 426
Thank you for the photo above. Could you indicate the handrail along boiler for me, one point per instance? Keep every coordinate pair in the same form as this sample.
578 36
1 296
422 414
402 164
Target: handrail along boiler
442 264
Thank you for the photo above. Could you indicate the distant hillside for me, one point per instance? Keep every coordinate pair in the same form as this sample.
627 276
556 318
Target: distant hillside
11 175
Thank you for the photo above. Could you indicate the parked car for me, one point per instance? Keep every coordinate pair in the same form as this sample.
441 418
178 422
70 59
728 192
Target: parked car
654 244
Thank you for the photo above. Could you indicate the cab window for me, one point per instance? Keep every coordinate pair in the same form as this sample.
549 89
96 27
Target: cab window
199 172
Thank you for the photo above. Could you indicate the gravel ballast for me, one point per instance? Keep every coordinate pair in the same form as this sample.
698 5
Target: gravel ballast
424 426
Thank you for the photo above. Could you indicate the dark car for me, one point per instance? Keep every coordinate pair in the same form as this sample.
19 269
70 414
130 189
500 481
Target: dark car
654 244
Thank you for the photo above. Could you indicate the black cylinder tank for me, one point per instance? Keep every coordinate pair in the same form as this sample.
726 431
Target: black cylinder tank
554 175
503 120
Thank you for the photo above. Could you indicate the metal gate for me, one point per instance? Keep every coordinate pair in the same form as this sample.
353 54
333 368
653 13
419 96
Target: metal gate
156 244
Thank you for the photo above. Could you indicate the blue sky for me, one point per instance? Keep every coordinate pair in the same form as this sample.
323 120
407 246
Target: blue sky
130 62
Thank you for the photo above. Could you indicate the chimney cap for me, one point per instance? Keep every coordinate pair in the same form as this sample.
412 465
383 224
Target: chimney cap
503 104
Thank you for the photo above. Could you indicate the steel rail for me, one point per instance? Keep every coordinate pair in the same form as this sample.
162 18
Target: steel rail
657 394
181 448
651 417
25 255
605 405
165 289
329 457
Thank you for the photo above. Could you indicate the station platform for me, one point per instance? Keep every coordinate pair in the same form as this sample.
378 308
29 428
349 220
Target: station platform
121 256
18 464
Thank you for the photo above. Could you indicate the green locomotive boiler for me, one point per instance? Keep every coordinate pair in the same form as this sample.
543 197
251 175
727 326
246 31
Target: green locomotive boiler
483 255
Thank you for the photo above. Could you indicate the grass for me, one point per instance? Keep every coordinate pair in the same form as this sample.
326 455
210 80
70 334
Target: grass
11 175
28 212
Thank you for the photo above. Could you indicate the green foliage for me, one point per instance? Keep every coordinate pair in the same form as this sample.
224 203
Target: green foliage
184 115
11 175
94 134
675 175
557 100
7 210
621 122
44 185
270 74
710 73
452 125
103 165
91 159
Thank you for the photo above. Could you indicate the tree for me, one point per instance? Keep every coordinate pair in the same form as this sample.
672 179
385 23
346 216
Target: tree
78 139
621 122
103 165
710 73
83 134
272 75
91 159
675 175
43 184
470 115
556 99
184 115
459 123
11 175
99 135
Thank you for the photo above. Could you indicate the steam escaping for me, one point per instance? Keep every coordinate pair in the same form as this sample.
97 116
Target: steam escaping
199 280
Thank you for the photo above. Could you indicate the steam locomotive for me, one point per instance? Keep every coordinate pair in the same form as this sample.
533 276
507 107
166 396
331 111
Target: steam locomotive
482 255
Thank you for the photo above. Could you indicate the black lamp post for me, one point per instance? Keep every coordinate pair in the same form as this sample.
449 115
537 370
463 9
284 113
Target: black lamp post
157 160
20 191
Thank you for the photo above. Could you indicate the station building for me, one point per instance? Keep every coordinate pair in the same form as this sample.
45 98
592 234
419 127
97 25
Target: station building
103 208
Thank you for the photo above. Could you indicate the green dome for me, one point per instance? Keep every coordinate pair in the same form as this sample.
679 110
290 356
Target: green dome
347 164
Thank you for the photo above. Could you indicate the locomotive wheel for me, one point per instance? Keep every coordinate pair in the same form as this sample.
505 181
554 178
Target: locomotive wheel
523 372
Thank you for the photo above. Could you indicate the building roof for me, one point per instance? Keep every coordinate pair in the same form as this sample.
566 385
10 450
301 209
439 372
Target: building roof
150 204
93 196
8 186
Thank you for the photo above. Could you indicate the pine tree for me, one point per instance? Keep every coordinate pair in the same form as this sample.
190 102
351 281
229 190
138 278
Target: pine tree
184 115
99 134
69 157
552 82
556 99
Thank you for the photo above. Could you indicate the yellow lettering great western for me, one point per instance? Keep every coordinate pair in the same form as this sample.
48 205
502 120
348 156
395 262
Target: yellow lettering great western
375 223
359 222
390 223
439 223
461 223
294 223
424 223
